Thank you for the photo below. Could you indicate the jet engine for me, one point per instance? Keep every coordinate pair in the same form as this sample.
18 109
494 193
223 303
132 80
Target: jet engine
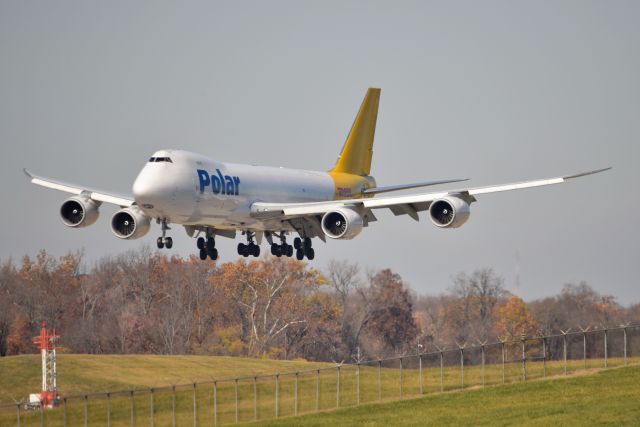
130 223
449 212
78 211
342 224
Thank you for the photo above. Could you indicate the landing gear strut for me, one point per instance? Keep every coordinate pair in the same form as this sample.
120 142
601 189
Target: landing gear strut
282 249
207 247
163 241
249 248
303 248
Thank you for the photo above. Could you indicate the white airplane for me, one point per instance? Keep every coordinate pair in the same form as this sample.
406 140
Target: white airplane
212 198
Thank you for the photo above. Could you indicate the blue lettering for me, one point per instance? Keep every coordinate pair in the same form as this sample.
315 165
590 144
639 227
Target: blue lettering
203 176
236 180
221 181
215 184
220 184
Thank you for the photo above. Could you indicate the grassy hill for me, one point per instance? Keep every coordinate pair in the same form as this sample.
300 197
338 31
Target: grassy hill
79 373
607 397
515 403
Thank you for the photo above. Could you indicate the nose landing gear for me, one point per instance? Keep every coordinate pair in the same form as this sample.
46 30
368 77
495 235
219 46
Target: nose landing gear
163 241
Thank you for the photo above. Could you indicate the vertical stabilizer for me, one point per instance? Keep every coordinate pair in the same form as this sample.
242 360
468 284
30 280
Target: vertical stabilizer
355 157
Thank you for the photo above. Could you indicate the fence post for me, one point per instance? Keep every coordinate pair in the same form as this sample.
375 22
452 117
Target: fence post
18 414
236 391
502 349
482 344
133 408
86 410
358 383
317 390
295 396
564 348
42 416
625 345
173 406
420 368
215 403
379 379
401 379
524 359
255 398
64 409
461 366
108 409
441 371
277 387
544 357
605 348
151 408
338 389
195 407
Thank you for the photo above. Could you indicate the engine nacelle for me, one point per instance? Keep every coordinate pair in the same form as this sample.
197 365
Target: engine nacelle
130 223
78 211
342 223
449 212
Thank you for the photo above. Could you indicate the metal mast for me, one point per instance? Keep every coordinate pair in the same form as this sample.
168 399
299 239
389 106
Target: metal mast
46 341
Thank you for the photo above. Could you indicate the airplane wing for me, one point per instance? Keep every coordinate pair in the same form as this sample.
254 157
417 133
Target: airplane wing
409 204
98 196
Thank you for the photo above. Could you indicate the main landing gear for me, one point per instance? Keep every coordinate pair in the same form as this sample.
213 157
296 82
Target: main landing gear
207 248
250 248
163 241
282 249
303 248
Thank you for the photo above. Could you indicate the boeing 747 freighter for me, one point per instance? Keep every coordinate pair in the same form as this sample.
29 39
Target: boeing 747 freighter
211 198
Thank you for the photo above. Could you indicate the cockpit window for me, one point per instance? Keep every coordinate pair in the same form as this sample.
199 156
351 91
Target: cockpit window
151 160
160 159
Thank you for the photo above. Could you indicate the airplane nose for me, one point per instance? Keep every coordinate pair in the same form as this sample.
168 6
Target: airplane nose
143 189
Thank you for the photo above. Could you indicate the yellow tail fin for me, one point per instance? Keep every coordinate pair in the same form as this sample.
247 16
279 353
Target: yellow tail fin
355 157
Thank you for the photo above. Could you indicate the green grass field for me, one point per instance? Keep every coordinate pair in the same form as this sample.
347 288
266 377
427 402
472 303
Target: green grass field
306 392
606 397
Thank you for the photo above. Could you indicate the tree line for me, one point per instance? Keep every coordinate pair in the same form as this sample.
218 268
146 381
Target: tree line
146 302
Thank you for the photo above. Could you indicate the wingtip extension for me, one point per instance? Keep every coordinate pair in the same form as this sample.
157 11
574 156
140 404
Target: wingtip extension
27 173
593 172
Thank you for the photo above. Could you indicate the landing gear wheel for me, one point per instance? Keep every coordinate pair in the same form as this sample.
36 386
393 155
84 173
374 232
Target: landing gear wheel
289 251
203 254
160 242
299 254
310 254
241 249
296 243
255 250
213 254
211 244
307 244
200 243
276 250
168 242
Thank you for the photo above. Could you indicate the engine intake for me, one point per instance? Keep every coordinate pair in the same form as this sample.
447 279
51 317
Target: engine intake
342 224
79 212
130 223
449 212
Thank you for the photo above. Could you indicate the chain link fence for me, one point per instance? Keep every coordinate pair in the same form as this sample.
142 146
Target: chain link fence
233 400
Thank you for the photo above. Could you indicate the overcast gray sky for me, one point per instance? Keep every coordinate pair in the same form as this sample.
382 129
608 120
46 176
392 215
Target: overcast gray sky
495 91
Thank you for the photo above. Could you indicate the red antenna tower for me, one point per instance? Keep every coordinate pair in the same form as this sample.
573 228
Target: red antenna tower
46 341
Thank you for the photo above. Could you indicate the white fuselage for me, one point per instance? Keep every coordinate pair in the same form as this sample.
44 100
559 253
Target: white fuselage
188 190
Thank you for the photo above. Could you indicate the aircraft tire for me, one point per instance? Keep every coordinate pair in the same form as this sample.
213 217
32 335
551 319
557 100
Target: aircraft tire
203 254
289 251
311 254
213 254
200 243
307 243
160 243
297 243
168 242
241 247
299 254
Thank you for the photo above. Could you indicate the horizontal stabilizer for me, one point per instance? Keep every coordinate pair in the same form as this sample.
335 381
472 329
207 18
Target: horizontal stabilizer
387 189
